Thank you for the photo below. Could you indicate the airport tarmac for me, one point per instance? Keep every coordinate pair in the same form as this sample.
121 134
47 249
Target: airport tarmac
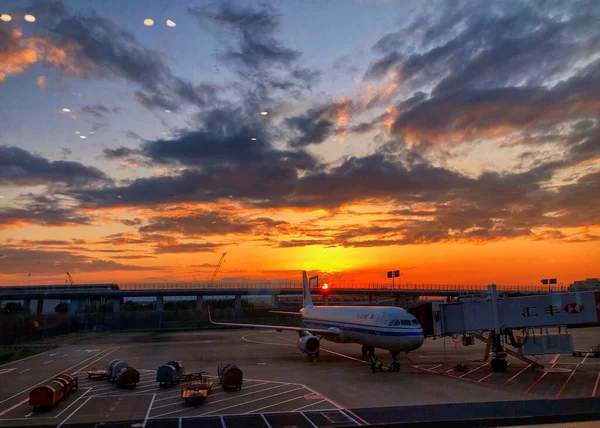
278 378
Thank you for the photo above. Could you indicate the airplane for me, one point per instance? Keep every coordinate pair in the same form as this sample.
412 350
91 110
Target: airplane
383 327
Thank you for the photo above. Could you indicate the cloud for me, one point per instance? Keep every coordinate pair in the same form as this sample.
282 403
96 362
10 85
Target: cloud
19 167
22 261
186 248
481 113
202 223
97 111
314 126
133 222
41 82
254 30
119 152
18 54
41 210
89 46
252 48
482 75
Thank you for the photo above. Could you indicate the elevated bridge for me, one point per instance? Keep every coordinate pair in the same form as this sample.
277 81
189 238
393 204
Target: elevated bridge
94 294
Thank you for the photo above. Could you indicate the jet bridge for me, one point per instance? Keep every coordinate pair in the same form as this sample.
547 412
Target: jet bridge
500 316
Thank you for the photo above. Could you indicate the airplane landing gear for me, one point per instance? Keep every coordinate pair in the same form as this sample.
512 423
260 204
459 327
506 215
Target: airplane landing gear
395 366
368 350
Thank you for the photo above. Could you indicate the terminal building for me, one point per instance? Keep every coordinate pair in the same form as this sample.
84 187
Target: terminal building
585 285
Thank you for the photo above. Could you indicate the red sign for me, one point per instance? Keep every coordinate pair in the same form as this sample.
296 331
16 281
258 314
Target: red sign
574 308
597 294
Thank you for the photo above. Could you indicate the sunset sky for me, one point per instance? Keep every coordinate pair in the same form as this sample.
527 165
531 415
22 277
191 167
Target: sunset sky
456 141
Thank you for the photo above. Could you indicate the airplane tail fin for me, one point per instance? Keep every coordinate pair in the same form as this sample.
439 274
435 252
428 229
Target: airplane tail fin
307 301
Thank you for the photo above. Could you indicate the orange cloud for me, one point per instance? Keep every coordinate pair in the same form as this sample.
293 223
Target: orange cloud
24 52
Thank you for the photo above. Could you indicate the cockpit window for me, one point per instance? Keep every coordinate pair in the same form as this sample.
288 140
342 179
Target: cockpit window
415 322
405 322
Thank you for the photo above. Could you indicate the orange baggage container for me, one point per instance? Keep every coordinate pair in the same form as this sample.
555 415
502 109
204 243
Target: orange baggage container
46 395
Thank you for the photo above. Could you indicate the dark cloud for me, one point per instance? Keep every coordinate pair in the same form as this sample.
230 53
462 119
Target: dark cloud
479 113
252 48
41 210
133 135
19 167
254 32
314 126
97 111
186 248
488 48
202 223
133 222
118 153
39 262
152 100
134 257
89 46
228 137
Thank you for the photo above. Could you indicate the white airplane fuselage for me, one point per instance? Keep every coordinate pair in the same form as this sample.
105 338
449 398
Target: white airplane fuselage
388 328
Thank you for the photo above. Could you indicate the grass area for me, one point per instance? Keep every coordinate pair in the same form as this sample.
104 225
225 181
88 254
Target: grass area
9 356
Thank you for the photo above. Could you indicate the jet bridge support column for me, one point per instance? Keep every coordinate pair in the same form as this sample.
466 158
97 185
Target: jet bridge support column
238 301
498 363
275 301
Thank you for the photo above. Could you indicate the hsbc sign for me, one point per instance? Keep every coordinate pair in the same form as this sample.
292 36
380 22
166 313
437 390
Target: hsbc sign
574 308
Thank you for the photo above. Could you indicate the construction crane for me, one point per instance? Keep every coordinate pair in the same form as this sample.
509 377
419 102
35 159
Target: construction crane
216 270
70 279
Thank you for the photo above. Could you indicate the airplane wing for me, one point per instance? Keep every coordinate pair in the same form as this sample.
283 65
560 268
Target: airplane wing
300 330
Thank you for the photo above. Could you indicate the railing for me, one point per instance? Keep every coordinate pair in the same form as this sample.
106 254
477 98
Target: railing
205 286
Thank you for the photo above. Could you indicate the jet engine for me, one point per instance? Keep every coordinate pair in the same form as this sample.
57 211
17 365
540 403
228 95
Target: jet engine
309 345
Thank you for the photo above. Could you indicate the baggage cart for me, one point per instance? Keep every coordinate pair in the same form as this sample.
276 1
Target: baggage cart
128 377
230 376
196 391
97 373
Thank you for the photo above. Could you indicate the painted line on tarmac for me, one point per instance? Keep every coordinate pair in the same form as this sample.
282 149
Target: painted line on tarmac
148 412
178 396
76 400
562 388
471 371
14 407
485 377
248 402
26 358
310 405
339 406
24 371
266 421
52 355
245 338
276 404
218 401
515 376
312 424
543 375
345 356
62 371
48 362
74 411
596 385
